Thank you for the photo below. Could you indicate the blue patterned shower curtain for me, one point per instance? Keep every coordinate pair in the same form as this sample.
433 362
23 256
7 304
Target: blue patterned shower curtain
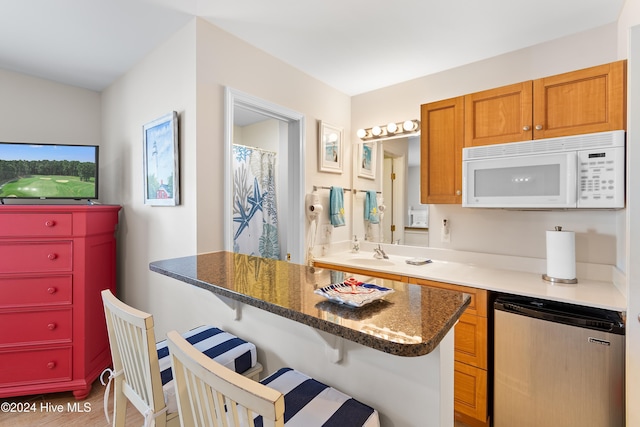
255 214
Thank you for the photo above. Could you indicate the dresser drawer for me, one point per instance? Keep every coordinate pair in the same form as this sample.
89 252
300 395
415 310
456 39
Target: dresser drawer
34 366
35 291
30 257
36 225
28 327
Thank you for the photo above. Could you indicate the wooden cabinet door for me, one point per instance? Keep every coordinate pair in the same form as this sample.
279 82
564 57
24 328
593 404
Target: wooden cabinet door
500 115
471 340
441 141
470 392
583 101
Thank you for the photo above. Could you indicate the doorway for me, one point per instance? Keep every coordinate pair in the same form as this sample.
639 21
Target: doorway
393 189
249 112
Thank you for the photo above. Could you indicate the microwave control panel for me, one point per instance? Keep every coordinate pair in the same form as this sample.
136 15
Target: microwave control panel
601 178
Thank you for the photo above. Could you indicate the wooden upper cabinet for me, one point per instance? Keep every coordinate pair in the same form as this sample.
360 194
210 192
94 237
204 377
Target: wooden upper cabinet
583 101
441 142
499 115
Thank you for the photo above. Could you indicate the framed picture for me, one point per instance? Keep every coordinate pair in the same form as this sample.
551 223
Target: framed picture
161 161
330 150
367 160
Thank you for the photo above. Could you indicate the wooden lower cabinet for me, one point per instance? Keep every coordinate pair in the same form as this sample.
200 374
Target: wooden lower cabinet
471 356
470 394
471 365
471 340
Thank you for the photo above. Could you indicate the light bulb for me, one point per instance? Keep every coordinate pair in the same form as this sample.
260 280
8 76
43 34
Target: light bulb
392 127
376 131
361 133
408 125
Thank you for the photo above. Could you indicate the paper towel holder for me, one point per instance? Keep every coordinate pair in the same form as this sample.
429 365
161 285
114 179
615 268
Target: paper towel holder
555 279
562 281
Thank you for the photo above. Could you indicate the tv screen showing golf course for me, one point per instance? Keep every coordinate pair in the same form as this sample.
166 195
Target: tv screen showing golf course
48 171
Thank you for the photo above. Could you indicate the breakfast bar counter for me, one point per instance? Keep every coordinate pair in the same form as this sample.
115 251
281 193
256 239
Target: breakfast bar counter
396 353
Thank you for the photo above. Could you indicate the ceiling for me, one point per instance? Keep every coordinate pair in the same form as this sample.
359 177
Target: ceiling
354 46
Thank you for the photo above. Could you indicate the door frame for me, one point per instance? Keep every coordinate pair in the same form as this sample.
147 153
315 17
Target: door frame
295 161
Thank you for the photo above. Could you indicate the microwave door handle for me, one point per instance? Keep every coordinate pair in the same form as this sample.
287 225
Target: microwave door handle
572 180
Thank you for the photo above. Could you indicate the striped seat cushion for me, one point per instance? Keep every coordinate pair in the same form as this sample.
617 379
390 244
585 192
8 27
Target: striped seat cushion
223 347
310 403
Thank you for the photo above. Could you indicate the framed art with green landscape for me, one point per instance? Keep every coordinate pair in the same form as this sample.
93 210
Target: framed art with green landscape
161 161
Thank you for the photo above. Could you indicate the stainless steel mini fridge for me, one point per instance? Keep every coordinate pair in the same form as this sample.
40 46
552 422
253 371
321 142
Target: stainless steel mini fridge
557 364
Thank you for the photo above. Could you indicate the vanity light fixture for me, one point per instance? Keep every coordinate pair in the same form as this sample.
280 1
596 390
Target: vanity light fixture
391 130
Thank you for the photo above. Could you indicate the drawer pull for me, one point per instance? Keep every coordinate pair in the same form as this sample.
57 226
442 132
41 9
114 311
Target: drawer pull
51 326
51 365
52 290
52 256
49 223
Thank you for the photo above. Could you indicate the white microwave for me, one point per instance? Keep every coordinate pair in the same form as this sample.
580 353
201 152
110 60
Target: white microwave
581 171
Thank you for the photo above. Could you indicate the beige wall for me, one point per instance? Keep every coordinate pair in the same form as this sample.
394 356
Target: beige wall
37 110
500 231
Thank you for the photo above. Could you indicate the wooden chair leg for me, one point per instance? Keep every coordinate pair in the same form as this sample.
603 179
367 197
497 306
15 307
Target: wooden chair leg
119 404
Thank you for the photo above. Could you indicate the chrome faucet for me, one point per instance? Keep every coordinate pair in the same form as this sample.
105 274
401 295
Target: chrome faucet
379 253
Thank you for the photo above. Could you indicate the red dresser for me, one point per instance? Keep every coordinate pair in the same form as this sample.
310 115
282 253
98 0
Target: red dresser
54 261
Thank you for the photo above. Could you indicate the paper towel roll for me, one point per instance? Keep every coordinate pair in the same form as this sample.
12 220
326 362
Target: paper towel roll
561 256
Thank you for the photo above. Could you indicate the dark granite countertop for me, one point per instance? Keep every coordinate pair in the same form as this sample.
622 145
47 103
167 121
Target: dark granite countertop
409 322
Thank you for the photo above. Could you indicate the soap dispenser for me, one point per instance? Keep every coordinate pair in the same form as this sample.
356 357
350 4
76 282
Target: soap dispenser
355 245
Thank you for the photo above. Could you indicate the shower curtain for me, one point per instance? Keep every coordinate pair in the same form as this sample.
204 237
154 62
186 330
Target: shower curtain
255 214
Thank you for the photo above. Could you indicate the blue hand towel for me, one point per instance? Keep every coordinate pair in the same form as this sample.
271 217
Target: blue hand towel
336 206
371 207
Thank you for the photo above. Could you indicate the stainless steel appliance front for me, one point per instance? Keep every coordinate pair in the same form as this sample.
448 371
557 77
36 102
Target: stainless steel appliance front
548 373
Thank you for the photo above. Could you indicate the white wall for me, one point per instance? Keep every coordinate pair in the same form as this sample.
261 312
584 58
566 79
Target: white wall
491 231
629 44
633 236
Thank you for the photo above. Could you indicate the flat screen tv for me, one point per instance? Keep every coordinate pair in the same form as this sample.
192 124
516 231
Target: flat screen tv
48 171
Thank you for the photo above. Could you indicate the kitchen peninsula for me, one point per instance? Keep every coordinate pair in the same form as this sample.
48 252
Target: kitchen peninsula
395 355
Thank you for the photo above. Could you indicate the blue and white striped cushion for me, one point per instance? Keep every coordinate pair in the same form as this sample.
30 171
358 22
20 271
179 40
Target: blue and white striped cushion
308 402
223 347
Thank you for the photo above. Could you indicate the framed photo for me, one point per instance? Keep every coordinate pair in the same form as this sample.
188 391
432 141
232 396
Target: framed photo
330 150
161 161
367 160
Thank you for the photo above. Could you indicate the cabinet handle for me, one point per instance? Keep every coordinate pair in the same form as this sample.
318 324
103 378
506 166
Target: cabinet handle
51 326
52 256
526 128
538 127
52 290
49 223
458 192
51 365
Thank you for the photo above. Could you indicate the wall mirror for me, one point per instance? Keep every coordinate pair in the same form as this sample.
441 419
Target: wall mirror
264 178
404 220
